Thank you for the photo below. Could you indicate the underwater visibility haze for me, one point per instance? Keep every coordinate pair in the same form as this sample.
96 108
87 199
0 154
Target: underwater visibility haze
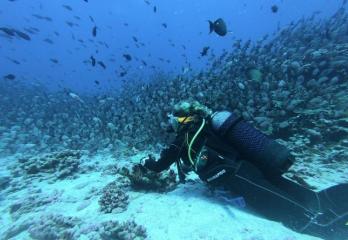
149 119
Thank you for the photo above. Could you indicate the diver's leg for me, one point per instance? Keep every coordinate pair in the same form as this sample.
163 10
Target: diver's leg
266 199
330 203
332 223
278 205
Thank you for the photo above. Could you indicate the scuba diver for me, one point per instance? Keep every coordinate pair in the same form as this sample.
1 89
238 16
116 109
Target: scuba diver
227 152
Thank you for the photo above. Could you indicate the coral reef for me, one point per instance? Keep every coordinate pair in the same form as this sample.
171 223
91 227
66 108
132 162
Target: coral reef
47 227
141 179
57 226
59 165
113 199
330 161
52 227
123 231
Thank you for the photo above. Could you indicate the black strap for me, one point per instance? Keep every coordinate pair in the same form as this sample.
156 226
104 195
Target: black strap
230 122
178 166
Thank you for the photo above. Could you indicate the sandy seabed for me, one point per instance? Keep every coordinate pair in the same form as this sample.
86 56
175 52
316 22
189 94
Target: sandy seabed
188 212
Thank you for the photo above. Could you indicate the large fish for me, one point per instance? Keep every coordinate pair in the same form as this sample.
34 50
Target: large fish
219 27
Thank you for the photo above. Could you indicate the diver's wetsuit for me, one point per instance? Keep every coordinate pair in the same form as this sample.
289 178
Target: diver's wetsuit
264 189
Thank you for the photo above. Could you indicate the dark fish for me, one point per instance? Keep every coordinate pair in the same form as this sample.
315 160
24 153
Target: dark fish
86 1
77 17
143 62
219 27
93 61
8 31
54 60
274 8
102 64
94 31
71 24
164 25
127 57
42 17
67 7
122 74
28 30
97 82
34 29
48 41
91 18
147 2
22 35
10 77
14 61
135 39
154 9
204 51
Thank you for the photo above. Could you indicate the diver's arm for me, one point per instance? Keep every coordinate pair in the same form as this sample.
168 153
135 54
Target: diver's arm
167 158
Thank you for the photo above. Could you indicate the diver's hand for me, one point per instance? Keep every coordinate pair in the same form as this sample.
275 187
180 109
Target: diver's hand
140 167
145 159
142 164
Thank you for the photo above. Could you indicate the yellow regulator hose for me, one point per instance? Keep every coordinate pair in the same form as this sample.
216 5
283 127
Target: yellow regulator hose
192 141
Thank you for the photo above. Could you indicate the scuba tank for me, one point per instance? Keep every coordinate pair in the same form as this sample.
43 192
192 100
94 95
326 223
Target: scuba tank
256 147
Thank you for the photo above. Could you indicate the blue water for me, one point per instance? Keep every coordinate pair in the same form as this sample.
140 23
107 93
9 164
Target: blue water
187 26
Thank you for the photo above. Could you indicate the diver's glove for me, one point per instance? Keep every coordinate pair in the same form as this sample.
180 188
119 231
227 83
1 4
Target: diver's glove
144 161
150 157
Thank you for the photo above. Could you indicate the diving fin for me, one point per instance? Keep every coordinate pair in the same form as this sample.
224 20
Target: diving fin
335 198
322 214
328 226
332 221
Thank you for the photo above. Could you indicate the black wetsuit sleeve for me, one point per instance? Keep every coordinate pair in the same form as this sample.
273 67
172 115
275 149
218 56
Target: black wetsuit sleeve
168 157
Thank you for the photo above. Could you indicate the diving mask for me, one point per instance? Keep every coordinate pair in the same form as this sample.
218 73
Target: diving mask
176 122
